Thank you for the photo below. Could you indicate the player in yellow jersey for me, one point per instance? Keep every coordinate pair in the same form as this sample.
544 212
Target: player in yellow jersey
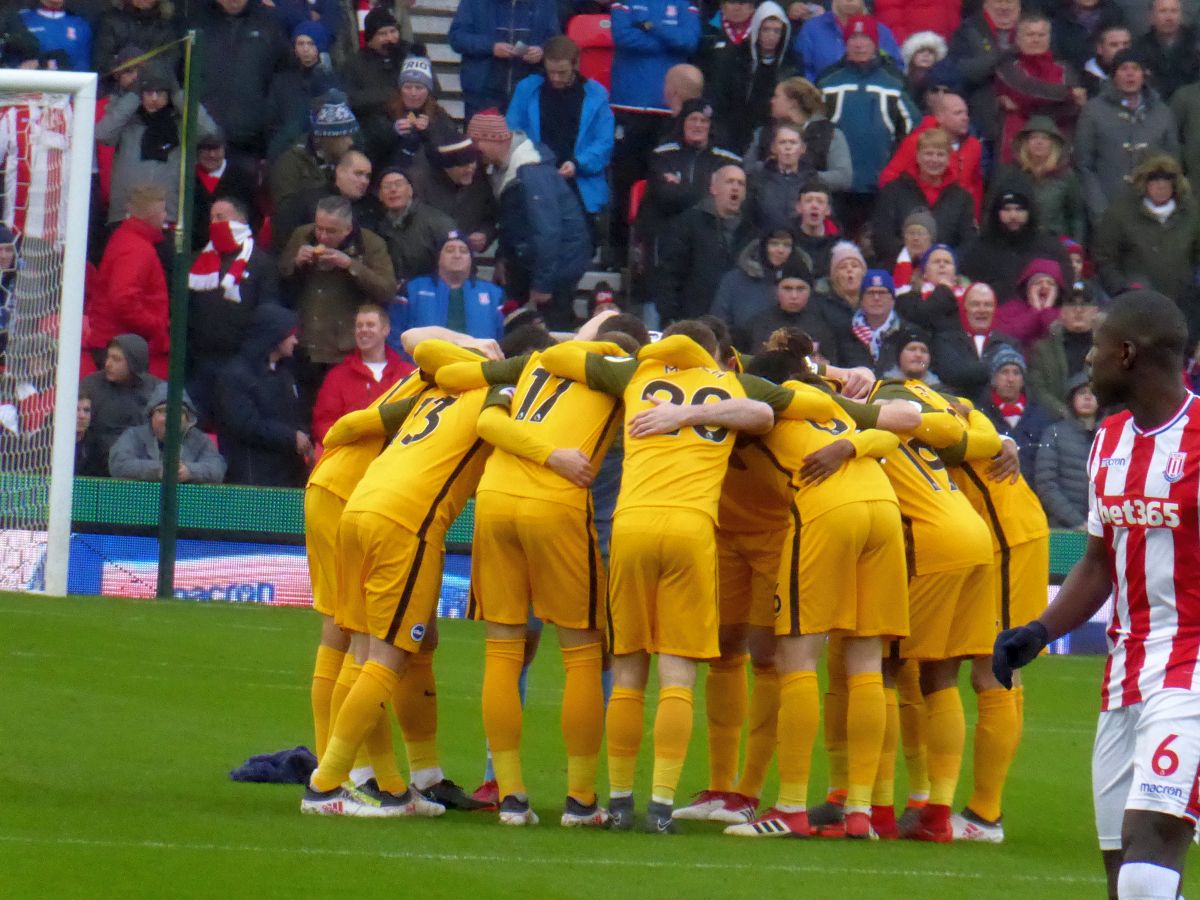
535 545
390 544
681 413
1021 571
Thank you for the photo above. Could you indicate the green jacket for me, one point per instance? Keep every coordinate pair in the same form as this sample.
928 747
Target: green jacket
1132 246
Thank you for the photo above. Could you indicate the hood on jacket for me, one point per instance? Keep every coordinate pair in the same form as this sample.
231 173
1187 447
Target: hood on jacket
923 40
1046 126
1161 162
270 325
1075 384
1041 267
752 260
158 397
769 9
136 350
523 151
992 228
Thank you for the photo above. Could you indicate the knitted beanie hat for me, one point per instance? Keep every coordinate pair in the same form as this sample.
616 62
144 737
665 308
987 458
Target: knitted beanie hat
379 17
315 31
845 250
333 117
457 153
418 70
488 125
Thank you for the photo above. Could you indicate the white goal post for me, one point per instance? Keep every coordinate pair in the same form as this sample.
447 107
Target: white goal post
66 235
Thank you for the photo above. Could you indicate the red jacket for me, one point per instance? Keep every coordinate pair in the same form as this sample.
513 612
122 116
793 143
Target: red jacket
964 162
907 17
350 385
131 295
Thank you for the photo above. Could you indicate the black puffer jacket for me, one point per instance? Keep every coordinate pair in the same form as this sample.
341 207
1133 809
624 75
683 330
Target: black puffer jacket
126 26
259 409
696 252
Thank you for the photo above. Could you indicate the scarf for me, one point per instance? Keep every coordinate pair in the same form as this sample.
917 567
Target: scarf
224 237
1163 212
161 135
1010 412
736 33
1041 66
1005 37
872 338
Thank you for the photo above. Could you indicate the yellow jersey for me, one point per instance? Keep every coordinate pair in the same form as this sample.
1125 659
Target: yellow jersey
684 469
755 495
425 476
942 529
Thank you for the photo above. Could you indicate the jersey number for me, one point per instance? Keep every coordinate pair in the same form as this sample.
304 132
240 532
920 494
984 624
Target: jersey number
1166 760
926 461
540 377
834 427
674 394
432 410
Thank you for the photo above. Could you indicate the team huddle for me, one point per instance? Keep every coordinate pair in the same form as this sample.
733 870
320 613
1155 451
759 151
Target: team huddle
762 514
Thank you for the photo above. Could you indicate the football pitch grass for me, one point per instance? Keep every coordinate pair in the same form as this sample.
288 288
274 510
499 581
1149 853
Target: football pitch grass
120 720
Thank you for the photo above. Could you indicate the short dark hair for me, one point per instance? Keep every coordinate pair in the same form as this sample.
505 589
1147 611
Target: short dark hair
625 323
775 365
721 332
698 332
242 207
561 48
526 339
1033 15
626 342
1154 323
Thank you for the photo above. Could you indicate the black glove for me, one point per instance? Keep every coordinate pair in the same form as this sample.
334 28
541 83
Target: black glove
1017 647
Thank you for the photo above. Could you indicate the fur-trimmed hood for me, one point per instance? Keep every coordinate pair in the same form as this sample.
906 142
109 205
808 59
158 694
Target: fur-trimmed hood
921 39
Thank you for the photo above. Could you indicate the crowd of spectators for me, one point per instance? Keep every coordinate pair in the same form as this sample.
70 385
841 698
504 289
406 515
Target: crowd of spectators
943 190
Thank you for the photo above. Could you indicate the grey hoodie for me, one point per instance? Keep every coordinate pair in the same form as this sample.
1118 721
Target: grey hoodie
137 454
116 407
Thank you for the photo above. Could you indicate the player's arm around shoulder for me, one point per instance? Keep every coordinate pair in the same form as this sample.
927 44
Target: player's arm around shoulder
412 337
464 376
432 354
795 400
600 365
498 428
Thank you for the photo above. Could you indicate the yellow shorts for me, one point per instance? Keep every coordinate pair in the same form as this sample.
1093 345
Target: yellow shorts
662 583
391 579
322 512
748 569
535 550
844 572
1022 581
951 614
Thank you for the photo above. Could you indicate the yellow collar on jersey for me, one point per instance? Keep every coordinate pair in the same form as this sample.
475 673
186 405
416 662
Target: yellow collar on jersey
679 351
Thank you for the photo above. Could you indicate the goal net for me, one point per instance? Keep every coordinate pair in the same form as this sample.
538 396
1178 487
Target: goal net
46 143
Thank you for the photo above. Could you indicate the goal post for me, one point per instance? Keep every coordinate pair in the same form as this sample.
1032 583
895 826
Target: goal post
57 161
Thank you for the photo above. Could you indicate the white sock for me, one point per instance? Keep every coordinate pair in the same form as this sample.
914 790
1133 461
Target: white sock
1147 881
425 778
361 774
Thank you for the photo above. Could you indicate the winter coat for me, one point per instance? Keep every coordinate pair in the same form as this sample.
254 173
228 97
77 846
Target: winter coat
289 103
259 409
132 296
425 301
116 407
414 239
299 169
743 292
826 150
542 225
473 208
953 211
1173 66
1133 246
137 454
1060 473
371 81
350 385
1185 106
123 128
812 320
976 52
1058 195
667 200
816 248
401 150
1000 256
1027 432
773 194
961 368
234 182
1015 316
1074 41
649 36
70 33
853 352
1111 140
329 298
124 25
290 13
240 57
907 17
965 162
869 104
478 25
1048 376
695 253
1034 96
593 143
216 324
821 47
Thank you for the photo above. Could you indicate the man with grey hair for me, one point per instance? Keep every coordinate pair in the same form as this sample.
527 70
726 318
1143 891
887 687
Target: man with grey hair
333 266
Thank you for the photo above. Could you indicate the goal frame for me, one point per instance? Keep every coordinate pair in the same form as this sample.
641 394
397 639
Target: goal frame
81 86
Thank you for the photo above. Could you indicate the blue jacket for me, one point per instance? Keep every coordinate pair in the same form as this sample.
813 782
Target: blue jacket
480 24
426 300
542 226
68 32
820 45
869 104
593 144
641 58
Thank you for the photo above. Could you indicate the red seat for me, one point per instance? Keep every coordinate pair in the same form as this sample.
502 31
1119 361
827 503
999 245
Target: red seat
593 34
636 194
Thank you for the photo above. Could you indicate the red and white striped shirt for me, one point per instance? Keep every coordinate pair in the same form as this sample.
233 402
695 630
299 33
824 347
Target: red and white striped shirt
34 135
1145 505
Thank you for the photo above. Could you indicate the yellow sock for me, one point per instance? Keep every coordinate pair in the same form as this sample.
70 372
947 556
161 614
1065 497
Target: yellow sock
623 725
946 736
836 700
415 703
725 703
866 722
799 718
381 754
884 793
324 679
582 719
360 712
996 736
346 677
672 734
761 740
912 730
502 711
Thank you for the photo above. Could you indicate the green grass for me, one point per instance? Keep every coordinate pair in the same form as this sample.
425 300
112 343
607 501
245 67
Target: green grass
120 719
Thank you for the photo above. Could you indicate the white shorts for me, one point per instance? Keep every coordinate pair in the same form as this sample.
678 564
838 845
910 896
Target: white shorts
1147 756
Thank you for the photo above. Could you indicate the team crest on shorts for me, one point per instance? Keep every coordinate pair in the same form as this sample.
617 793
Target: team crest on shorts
1174 470
418 632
